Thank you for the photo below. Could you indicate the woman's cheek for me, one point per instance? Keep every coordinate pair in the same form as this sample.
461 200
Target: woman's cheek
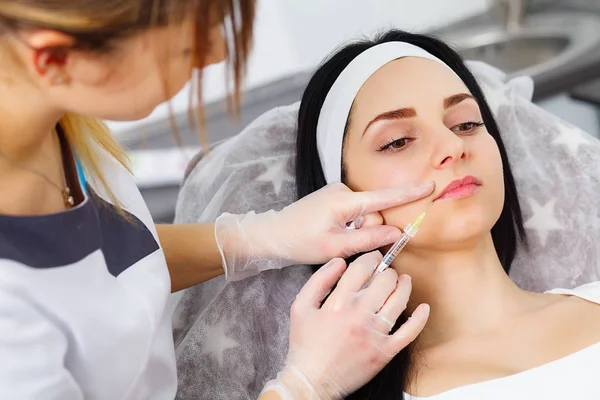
401 216
368 175
386 174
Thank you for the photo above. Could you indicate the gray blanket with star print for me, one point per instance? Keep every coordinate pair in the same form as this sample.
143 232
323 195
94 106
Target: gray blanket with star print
231 337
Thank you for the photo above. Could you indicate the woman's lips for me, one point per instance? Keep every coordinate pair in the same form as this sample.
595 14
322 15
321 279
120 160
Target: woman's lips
460 188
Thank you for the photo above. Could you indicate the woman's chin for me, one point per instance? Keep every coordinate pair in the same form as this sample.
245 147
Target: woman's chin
448 224
453 233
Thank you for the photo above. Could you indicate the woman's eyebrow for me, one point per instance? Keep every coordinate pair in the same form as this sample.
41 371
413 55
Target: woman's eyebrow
411 112
457 98
393 114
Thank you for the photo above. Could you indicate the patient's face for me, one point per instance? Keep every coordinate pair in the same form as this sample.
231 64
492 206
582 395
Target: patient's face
429 132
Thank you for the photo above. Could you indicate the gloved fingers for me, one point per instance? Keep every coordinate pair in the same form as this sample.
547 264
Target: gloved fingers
396 302
371 219
408 331
318 286
374 297
357 274
366 239
362 203
385 325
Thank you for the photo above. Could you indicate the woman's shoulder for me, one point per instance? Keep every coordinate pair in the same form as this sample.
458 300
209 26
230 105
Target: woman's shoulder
580 305
578 315
590 292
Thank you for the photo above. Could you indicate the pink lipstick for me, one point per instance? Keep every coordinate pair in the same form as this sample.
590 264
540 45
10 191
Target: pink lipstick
460 188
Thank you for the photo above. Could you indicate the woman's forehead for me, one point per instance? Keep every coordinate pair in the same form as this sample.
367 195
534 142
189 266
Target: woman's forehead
409 82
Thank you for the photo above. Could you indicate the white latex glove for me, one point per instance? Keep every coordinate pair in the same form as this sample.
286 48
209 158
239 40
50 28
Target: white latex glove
312 230
338 347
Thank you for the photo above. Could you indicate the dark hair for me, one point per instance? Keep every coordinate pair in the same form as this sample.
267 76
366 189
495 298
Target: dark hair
390 383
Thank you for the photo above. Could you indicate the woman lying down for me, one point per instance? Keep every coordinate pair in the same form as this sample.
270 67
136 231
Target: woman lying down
378 114
404 108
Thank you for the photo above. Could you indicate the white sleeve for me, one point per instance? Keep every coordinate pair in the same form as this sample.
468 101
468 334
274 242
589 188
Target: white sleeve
32 354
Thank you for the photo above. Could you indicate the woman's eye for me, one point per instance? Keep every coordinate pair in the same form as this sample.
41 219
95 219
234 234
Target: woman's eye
395 144
466 127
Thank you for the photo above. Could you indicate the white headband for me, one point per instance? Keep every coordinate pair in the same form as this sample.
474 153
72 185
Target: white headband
337 105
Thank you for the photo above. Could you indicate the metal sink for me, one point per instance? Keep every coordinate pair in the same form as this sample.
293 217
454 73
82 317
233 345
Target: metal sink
542 44
514 54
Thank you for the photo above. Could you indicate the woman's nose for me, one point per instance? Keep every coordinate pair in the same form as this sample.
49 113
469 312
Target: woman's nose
448 148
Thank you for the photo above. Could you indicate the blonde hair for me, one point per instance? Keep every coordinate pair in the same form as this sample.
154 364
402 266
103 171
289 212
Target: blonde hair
96 25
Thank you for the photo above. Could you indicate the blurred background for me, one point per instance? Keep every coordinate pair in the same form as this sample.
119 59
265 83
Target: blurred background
557 42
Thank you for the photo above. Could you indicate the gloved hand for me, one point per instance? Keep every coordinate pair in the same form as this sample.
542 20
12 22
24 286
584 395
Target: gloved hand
338 347
312 230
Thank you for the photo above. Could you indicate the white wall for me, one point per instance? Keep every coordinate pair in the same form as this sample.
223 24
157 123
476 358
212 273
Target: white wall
316 27
295 35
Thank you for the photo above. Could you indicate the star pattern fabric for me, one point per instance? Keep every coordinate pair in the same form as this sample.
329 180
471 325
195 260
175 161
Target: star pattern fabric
277 174
572 139
232 337
217 342
542 220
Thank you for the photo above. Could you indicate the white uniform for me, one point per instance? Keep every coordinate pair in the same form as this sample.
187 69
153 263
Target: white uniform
83 301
